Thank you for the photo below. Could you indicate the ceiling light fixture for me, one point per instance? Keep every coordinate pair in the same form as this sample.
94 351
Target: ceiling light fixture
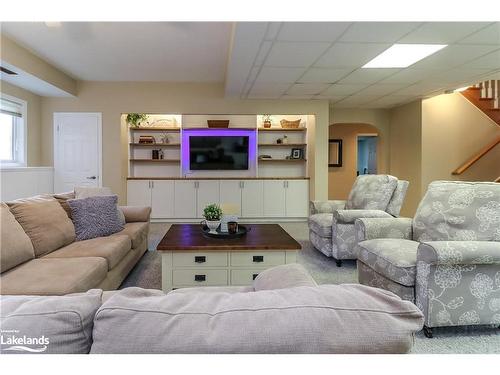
403 55
53 24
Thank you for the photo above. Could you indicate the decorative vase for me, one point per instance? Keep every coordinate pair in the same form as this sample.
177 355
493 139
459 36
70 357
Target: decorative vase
267 124
212 225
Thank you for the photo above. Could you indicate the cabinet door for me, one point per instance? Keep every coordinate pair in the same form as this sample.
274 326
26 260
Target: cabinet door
185 200
230 196
274 198
138 193
162 199
252 198
297 198
208 193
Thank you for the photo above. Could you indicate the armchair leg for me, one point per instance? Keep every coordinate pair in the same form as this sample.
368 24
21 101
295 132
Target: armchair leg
338 262
428 332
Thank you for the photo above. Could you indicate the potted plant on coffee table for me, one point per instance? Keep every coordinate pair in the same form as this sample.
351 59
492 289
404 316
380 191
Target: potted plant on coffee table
212 214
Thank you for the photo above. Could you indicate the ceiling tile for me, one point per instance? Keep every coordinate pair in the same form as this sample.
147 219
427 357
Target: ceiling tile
442 32
271 89
331 98
489 61
263 51
488 35
410 75
421 88
324 75
459 75
356 100
297 97
377 32
382 89
454 55
368 75
338 89
312 31
345 55
390 101
295 54
307 88
253 74
272 30
284 75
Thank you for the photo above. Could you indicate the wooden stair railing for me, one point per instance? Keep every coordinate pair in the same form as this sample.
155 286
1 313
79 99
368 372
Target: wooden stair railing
486 97
476 157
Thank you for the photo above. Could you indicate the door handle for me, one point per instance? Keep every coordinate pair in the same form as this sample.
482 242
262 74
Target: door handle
92 178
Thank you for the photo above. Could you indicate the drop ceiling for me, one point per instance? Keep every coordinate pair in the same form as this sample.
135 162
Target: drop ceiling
271 60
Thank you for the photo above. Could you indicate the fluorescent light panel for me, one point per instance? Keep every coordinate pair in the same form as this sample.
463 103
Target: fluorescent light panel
403 55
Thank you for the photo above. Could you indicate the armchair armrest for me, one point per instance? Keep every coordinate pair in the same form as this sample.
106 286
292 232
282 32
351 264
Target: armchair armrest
459 252
350 216
326 207
136 213
368 229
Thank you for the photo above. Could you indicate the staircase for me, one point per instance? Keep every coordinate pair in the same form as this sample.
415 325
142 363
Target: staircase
485 96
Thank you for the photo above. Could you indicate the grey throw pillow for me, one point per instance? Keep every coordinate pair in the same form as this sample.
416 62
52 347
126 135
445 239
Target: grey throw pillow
95 217
87 192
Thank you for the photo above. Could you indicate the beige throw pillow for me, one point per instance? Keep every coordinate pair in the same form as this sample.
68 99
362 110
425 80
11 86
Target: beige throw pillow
45 222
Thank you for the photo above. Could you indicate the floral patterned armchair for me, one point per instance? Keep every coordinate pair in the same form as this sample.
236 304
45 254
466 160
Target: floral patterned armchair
331 224
446 260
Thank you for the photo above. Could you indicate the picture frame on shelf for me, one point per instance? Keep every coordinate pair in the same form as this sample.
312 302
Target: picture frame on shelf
297 153
335 153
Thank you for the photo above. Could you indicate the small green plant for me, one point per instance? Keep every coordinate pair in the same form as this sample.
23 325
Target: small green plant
134 119
266 118
212 212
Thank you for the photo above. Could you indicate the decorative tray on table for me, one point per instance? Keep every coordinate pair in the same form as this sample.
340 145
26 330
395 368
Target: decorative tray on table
242 230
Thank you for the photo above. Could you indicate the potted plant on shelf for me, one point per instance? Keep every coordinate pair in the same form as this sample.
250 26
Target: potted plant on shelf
135 119
267 121
212 214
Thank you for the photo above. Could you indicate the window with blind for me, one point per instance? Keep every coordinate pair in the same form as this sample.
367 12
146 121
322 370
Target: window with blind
12 132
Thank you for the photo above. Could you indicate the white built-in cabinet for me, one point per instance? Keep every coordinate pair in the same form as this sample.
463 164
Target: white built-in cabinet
250 198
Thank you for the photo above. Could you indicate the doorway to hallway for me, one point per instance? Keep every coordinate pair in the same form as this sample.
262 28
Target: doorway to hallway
367 154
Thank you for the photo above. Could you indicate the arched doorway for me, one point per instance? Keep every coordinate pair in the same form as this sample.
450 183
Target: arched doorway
354 137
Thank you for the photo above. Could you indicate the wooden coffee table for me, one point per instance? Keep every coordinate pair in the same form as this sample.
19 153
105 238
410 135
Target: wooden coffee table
191 259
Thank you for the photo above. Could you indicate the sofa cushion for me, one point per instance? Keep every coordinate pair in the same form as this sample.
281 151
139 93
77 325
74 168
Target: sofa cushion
15 245
397 199
95 217
284 276
458 211
394 258
321 224
54 276
138 233
111 248
324 319
61 324
45 222
371 192
63 198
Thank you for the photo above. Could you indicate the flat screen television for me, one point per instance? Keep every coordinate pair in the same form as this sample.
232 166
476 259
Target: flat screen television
209 153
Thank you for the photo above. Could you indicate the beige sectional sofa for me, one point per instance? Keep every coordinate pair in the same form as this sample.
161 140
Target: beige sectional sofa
39 255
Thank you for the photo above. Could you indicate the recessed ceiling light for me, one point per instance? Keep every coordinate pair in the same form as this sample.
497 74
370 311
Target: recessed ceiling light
403 55
53 24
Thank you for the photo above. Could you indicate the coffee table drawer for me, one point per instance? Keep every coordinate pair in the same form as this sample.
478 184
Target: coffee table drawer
200 259
243 277
199 277
266 258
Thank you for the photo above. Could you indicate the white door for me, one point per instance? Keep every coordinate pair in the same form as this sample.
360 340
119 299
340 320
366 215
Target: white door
185 199
252 198
162 199
77 150
274 198
208 192
297 198
230 196
139 193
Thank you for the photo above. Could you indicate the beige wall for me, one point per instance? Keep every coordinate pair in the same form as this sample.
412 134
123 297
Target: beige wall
453 130
115 98
33 126
406 151
340 179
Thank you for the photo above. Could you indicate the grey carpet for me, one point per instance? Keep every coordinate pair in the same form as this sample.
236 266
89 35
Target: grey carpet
147 274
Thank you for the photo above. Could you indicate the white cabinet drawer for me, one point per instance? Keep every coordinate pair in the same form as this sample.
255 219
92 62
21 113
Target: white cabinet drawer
243 277
200 259
265 258
199 277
